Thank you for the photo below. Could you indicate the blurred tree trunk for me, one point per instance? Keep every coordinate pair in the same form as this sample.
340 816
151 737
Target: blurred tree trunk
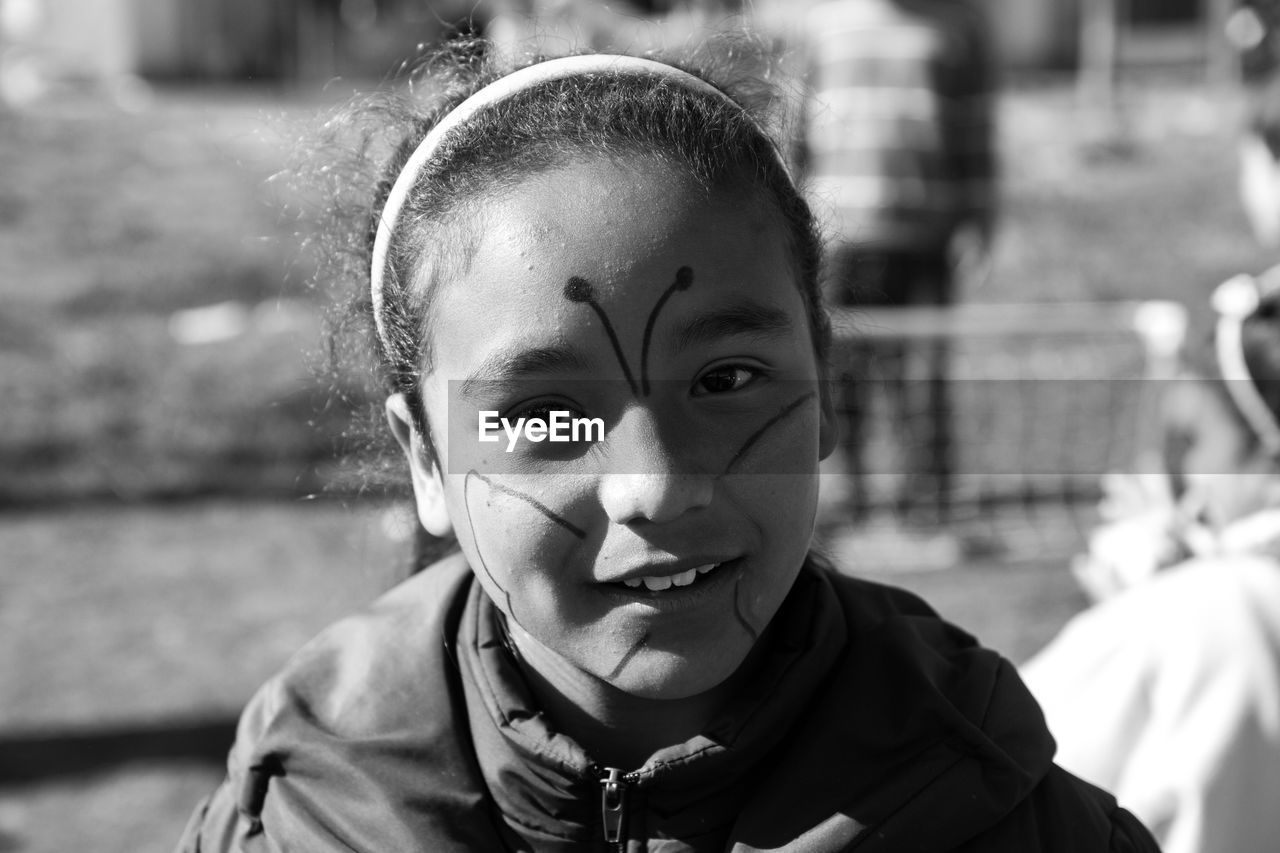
316 32
1223 68
1099 55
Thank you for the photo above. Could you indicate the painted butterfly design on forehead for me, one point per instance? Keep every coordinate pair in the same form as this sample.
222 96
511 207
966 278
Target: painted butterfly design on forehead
580 290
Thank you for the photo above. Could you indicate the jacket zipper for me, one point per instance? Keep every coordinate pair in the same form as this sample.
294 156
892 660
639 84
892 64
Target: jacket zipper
613 807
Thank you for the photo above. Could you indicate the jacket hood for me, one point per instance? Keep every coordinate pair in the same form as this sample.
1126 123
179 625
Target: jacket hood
873 724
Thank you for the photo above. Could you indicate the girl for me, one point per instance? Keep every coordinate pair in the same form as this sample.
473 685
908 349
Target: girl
1169 690
632 648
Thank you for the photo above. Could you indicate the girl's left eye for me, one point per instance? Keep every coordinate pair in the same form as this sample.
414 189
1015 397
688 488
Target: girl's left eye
721 380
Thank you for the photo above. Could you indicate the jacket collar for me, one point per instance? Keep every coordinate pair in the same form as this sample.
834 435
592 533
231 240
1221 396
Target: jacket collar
403 728
548 789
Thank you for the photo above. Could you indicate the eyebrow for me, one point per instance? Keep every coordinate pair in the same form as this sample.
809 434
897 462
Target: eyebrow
509 365
745 318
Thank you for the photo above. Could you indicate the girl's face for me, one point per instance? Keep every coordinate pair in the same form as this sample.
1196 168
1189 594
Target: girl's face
653 557
1222 471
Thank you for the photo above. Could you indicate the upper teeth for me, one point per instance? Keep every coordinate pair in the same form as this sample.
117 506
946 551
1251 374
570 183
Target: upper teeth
657 583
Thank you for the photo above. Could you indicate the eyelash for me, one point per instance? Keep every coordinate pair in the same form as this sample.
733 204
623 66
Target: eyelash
753 375
541 409
750 374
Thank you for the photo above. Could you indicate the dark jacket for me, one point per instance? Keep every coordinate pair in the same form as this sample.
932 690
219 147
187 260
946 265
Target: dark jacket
870 724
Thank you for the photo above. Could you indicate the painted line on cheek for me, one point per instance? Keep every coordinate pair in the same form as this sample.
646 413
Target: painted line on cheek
742 617
533 502
466 501
684 280
626 658
580 290
769 424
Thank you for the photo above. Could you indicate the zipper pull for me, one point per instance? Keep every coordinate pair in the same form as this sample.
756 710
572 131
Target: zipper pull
613 806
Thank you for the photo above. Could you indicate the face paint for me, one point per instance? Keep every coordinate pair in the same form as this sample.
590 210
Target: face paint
635 649
773 422
531 501
655 558
751 630
684 280
579 290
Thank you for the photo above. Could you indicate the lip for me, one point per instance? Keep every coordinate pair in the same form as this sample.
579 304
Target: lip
675 567
675 598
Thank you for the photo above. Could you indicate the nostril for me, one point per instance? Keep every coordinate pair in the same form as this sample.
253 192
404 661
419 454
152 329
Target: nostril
654 498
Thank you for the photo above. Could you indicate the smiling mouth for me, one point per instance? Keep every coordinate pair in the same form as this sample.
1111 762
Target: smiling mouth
658 583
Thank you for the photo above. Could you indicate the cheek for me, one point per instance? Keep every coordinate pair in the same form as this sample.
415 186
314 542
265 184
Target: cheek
523 548
784 507
785 443
776 486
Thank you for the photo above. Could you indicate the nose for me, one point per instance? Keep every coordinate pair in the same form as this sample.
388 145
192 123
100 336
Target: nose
648 479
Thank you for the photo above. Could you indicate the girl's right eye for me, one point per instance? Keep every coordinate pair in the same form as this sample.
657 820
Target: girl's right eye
725 379
541 410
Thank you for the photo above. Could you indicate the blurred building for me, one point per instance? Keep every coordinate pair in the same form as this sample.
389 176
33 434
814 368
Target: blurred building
225 39
290 39
1046 33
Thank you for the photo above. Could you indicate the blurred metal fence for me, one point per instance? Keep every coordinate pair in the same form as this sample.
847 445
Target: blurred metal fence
991 424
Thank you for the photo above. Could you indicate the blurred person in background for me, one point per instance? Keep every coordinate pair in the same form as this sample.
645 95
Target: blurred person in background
21 80
898 148
559 27
1254 30
1167 691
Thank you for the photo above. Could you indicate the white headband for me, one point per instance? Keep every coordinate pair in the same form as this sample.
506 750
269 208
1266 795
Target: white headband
1234 300
498 90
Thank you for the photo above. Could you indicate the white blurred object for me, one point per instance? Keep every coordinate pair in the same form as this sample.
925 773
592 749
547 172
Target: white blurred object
1244 29
1162 324
1260 189
1168 695
224 321
209 323
1144 531
19 19
21 80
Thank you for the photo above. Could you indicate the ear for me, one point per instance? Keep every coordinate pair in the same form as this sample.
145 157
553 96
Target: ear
828 423
428 487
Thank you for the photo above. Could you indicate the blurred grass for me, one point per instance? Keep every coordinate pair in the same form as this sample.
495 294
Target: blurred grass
1146 210
110 222
147 611
118 616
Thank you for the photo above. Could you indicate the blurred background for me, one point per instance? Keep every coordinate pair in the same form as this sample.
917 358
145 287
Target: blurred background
169 528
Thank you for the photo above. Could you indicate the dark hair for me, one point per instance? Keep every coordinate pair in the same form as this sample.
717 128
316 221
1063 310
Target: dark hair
718 142
715 140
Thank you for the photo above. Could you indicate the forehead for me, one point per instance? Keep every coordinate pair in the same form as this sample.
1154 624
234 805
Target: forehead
624 227
623 212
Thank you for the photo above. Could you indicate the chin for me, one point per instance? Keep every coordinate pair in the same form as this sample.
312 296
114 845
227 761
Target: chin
661 675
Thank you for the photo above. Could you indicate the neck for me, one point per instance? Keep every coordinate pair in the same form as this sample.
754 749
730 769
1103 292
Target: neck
617 729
